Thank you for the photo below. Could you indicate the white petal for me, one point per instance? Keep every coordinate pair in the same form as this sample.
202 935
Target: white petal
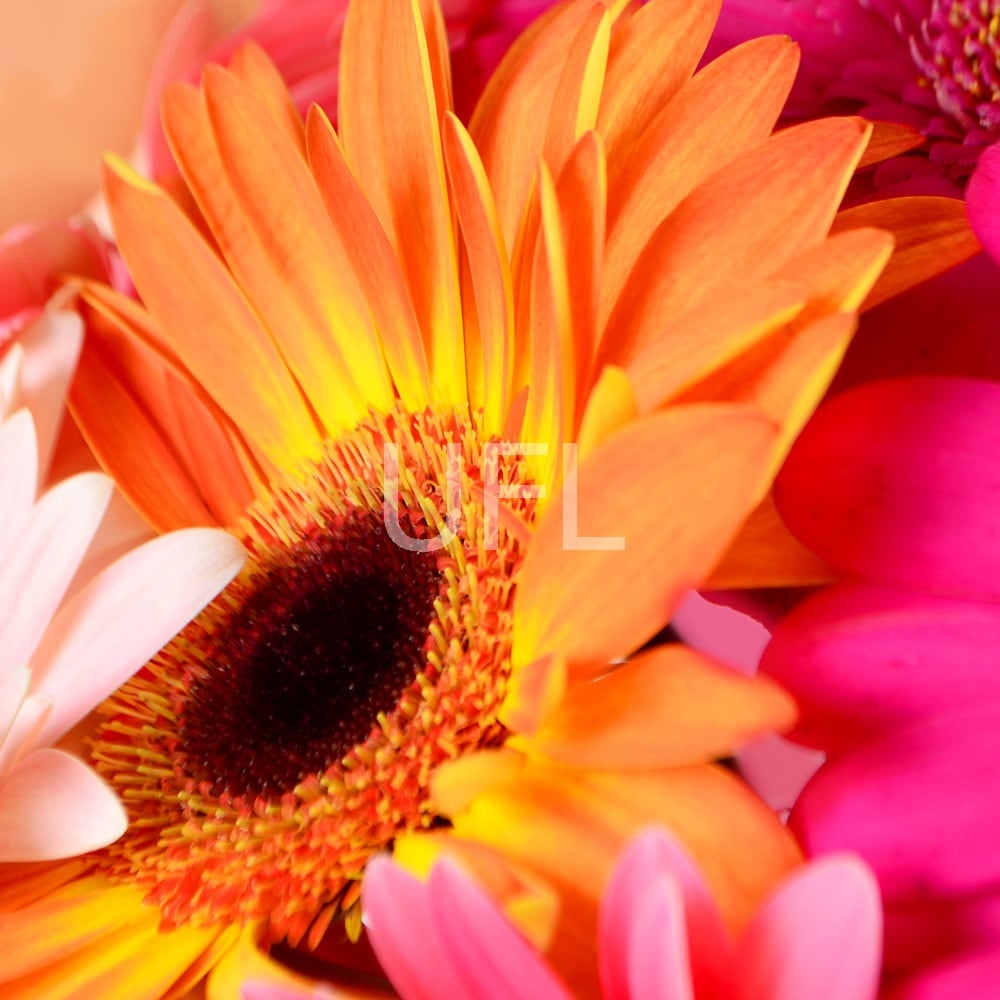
54 806
40 563
125 615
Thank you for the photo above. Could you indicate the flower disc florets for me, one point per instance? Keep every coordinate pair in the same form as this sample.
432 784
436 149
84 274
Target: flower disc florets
292 729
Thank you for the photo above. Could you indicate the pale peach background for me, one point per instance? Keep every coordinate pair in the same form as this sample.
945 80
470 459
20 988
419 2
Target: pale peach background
72 78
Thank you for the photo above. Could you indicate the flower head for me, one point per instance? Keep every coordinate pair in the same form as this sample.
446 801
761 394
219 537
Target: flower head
365 351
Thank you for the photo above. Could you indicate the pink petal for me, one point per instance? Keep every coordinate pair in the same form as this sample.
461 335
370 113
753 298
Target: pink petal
970 978
38 568
982 197
695 940
898 481
26 724
54 806
861 658
720 632
819 936
125 615
913 806
778 770
400 922
51 350
19 481
272 991
491 958
14 681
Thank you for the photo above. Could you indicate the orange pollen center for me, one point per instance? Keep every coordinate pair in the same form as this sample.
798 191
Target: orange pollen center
292 729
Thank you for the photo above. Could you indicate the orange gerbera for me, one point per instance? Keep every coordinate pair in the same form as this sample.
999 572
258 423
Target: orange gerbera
364 352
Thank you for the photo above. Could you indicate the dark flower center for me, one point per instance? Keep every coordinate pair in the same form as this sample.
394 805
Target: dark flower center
303 667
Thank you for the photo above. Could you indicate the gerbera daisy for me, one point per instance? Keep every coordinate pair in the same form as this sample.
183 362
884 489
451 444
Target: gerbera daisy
75 622
661 935
927 64
894 669
364 351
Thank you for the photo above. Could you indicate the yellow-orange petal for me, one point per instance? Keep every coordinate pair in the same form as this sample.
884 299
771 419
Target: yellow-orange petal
208 321
578 93
526 899
489 292
388 120
740 225
328 339
766 554
668 706
672 488
552 359
582 193
509 141
931 235
707 124
654 49
610 406
569 826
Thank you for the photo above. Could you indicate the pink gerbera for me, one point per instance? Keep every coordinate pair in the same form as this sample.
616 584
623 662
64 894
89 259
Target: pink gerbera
661 935
895 668
80 608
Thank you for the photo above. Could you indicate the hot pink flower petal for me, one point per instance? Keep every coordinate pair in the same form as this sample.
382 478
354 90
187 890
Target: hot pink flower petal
54 806
973 977
819 936
493 961
982 199
862 658
127 613
38 569
898 481
400 922
913 806
922 931
694 941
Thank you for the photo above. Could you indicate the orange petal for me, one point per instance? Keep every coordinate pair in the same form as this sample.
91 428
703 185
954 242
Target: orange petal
389 125
931 236
293 267
889 139
739 226
374 262
582 192
654 49
209 323
490 362
533 694
788 385
706 125
666 707
709 336
173 452
766 554
252 65
672 488
578 92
